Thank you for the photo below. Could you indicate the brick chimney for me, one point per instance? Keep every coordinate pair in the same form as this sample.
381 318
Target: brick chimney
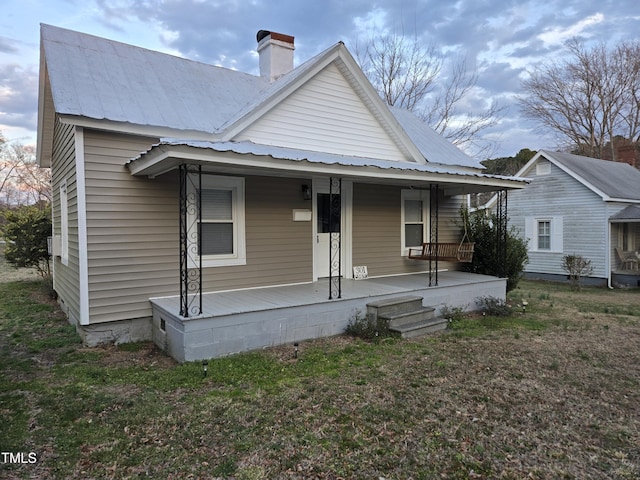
627 154
276 54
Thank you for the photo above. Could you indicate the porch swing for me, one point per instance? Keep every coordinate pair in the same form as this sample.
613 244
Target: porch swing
447 252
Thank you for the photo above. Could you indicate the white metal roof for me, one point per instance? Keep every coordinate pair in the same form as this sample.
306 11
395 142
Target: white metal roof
167 155
124 87
101 79
434 147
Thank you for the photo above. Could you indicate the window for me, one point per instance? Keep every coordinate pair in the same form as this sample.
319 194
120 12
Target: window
545 234
221 226
414 219
64 223
216 227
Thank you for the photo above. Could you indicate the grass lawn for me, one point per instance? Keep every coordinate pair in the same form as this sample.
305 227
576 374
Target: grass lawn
551 393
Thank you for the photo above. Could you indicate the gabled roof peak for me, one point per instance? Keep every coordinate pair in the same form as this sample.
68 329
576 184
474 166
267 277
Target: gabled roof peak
611 180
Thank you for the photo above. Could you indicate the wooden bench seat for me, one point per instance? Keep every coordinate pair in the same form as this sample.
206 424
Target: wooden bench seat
446 252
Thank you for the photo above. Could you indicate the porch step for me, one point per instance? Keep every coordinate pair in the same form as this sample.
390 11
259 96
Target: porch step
394 306
424 314
406 316
420 328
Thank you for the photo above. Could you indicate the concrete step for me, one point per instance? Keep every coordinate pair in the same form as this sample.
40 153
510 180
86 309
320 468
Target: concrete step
394 306
418 329
423 314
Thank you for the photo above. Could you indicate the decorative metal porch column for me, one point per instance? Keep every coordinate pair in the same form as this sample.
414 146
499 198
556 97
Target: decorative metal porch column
501 233
190 241
335 238
434 202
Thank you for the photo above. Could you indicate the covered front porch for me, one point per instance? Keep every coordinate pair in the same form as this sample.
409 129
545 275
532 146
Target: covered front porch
249 319
321 217
625 238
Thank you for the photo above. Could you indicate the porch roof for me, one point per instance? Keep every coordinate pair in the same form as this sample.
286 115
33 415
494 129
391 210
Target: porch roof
628 214
254 159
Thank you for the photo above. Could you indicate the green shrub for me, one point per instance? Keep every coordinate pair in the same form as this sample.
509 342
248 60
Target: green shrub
453 314
481 228
368 328
26 232
495 307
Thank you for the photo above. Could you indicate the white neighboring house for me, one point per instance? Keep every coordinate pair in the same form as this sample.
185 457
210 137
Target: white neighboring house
583 206
204 208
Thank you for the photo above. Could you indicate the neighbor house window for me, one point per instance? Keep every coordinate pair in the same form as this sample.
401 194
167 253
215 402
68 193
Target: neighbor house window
545 234
414 219
220 228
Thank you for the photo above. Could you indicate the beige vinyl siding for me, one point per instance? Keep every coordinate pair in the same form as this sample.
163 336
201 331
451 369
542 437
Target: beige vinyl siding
279 250
377 229
133 233
449 225
325 115
66 277
132 230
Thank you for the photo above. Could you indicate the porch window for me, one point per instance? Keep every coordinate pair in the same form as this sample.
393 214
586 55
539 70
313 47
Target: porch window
221 228
414 220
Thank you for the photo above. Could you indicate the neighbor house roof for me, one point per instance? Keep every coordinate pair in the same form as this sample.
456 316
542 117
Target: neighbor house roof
610 180
630 213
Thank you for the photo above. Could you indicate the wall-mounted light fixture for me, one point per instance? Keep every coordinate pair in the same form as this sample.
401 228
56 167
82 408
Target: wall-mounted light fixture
306 192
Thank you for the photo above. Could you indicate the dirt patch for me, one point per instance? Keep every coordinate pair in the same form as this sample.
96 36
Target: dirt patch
143 354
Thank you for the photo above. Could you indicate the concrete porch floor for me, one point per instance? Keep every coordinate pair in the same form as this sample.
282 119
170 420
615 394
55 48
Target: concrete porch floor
243 320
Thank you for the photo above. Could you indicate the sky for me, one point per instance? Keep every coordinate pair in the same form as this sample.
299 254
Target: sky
501 40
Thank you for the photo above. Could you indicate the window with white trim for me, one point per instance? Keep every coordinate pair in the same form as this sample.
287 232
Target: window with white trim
545 234
415 216
221 227
64 223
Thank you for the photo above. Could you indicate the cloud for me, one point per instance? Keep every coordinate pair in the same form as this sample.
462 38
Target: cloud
504 38
498 78
560 34
18 96
8 45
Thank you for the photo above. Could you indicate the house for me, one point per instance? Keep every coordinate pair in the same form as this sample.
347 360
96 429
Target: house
215 211
578 205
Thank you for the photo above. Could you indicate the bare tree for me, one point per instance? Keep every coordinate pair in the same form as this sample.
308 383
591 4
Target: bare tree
22 181
402 71
589 99
409 75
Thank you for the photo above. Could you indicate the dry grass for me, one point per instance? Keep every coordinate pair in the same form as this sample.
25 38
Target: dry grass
9 273
552 393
